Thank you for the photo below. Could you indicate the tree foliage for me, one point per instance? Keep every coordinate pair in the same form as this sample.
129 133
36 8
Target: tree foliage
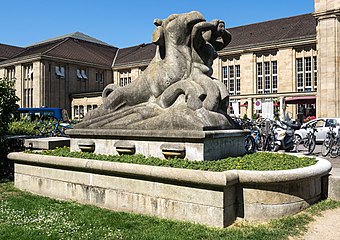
8 104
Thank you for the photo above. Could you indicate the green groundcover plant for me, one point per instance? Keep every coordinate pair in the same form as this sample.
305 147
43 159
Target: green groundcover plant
261 161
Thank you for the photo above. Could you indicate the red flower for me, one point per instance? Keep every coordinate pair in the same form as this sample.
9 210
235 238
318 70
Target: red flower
309 118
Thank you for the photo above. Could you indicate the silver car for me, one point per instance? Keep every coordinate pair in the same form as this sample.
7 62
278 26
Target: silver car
322 126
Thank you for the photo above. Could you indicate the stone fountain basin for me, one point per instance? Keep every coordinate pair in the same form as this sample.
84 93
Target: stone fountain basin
212 198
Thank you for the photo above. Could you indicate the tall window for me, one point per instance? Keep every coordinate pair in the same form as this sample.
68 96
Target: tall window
99 77
315 73
266 77
28 86
274 77
124 78
225 76
28 72
82 74
60 71
306 74
232 79
11 73
259 78
238 79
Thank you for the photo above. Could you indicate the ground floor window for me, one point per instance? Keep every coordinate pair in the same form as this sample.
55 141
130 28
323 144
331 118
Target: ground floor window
305 111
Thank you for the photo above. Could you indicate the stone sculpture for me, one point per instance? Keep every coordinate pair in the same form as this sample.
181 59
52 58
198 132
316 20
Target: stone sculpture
176 91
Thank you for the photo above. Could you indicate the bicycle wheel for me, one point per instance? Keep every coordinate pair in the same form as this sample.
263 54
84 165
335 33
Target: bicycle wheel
310 146
334 149
249 144
271 146
326 147
259 143
298 143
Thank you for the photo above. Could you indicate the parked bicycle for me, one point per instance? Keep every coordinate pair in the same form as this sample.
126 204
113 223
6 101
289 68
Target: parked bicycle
254 140
335 150
308 143
269 136
52 128
330 140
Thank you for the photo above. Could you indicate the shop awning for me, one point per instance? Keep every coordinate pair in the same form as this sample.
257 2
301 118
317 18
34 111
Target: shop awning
301 100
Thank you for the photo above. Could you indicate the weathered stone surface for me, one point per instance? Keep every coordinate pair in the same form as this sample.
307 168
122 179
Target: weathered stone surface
334 185
273 194
190 195
211 198
46 143
198 145
176 91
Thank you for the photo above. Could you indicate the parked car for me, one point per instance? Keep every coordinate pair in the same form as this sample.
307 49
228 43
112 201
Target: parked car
322 126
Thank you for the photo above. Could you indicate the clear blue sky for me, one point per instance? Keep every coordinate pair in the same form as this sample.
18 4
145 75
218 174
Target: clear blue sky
124 23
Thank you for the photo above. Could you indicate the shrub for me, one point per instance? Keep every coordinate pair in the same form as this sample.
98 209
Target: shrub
22 127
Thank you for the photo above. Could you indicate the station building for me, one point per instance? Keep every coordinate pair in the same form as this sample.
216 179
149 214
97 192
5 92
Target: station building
291 63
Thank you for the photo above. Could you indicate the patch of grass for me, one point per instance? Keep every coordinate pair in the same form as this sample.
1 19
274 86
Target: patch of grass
261 161
26 216
323 206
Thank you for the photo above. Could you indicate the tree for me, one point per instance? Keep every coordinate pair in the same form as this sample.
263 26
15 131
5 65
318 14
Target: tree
8 107
8 104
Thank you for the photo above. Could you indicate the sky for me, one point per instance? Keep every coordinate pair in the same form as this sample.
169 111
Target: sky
124 23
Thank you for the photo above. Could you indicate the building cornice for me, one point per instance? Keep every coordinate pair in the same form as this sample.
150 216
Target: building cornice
75 62
131 65
38 57
86 94
14 61
238 50
273 95
269 45
334 13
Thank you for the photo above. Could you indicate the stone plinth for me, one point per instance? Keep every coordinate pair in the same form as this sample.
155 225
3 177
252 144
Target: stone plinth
193 145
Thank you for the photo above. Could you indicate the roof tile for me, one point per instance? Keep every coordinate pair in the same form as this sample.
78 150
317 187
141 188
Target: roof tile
8 51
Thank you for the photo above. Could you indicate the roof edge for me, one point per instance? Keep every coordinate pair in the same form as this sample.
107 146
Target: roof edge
75 35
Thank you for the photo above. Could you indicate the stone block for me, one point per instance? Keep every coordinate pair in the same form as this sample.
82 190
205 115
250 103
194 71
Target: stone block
334 185
46 143
196 145
190 195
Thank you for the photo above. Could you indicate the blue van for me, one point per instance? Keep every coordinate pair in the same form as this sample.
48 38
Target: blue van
43 113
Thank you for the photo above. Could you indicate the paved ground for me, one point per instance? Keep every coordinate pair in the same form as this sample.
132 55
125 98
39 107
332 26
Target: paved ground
327 226
335 161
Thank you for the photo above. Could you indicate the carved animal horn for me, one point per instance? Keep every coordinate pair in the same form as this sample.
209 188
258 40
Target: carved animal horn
158 36
157 22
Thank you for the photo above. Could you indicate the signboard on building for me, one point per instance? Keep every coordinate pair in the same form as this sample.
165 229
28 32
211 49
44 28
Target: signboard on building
258 105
